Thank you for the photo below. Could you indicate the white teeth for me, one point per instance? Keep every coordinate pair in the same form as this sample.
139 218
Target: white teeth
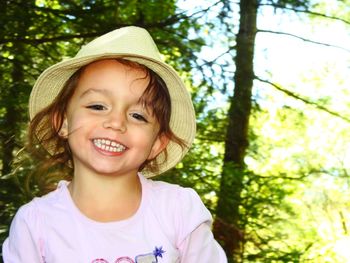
108 145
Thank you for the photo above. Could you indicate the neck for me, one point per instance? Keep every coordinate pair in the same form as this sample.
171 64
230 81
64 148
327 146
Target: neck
104 197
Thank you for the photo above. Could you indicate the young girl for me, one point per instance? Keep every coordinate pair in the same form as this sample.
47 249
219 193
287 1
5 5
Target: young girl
116 114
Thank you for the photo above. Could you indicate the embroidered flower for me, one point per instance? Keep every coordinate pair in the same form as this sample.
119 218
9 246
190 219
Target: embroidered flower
158 252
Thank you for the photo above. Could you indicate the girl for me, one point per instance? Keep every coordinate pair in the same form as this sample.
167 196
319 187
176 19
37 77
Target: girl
116 114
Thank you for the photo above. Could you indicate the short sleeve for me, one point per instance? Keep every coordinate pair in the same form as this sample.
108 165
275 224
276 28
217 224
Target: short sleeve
196 240
24 243
200 246
191 213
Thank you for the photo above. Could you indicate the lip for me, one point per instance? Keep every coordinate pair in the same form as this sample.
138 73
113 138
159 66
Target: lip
109 146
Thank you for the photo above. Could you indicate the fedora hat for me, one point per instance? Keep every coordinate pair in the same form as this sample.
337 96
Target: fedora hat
134 44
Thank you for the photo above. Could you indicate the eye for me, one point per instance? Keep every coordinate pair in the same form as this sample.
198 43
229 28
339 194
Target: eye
97 107
138 117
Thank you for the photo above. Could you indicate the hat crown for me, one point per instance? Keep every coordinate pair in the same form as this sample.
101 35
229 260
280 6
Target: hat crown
121 41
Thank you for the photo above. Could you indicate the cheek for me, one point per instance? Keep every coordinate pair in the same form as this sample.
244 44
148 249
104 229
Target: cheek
79 121
145 138
74 124
79 131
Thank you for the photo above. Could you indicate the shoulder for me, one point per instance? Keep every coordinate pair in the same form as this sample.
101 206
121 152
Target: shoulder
163 187
26 214
180 208
31 209
26 222
54 196
173 194
25 236
32 212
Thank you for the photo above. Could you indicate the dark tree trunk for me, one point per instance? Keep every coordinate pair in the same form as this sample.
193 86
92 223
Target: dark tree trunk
11 118
227 227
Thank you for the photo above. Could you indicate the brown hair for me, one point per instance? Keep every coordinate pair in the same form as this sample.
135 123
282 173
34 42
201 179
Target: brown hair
46 124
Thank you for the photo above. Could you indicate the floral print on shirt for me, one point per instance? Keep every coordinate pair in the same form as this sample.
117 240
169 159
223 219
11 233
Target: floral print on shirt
143 258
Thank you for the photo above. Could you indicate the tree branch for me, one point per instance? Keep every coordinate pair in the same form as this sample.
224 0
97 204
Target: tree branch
169 21
211 62
50 39
305 100
307 12
303 39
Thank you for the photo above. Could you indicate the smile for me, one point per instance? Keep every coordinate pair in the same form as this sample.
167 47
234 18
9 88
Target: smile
108 145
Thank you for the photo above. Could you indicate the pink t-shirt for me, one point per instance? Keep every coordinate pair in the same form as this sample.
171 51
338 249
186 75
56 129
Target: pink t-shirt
171 225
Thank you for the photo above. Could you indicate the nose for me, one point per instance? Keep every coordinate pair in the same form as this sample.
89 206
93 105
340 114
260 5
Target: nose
116 122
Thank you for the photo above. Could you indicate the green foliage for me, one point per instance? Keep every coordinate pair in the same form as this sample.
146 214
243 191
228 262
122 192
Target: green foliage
292 3
292 206
201 168
285 195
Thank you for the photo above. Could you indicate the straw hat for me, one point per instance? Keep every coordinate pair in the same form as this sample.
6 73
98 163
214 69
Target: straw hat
134 44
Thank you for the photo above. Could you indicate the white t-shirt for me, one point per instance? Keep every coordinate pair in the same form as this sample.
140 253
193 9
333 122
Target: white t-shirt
171 225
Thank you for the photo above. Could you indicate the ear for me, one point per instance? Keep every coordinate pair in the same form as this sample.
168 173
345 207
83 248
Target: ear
158 146
63 132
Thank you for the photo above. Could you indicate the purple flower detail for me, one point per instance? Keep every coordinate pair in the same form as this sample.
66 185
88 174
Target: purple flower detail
158 252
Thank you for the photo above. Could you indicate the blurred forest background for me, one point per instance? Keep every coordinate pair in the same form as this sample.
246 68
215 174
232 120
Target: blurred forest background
270 84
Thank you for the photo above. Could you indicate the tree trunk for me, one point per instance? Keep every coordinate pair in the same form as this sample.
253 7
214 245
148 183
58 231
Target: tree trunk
227 227
11 117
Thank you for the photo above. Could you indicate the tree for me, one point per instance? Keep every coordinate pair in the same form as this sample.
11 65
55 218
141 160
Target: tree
236 142
231 221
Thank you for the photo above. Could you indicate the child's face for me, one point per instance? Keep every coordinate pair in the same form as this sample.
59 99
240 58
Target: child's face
109 131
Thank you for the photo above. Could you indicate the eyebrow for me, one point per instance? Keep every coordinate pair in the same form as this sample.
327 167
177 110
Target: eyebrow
92 90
